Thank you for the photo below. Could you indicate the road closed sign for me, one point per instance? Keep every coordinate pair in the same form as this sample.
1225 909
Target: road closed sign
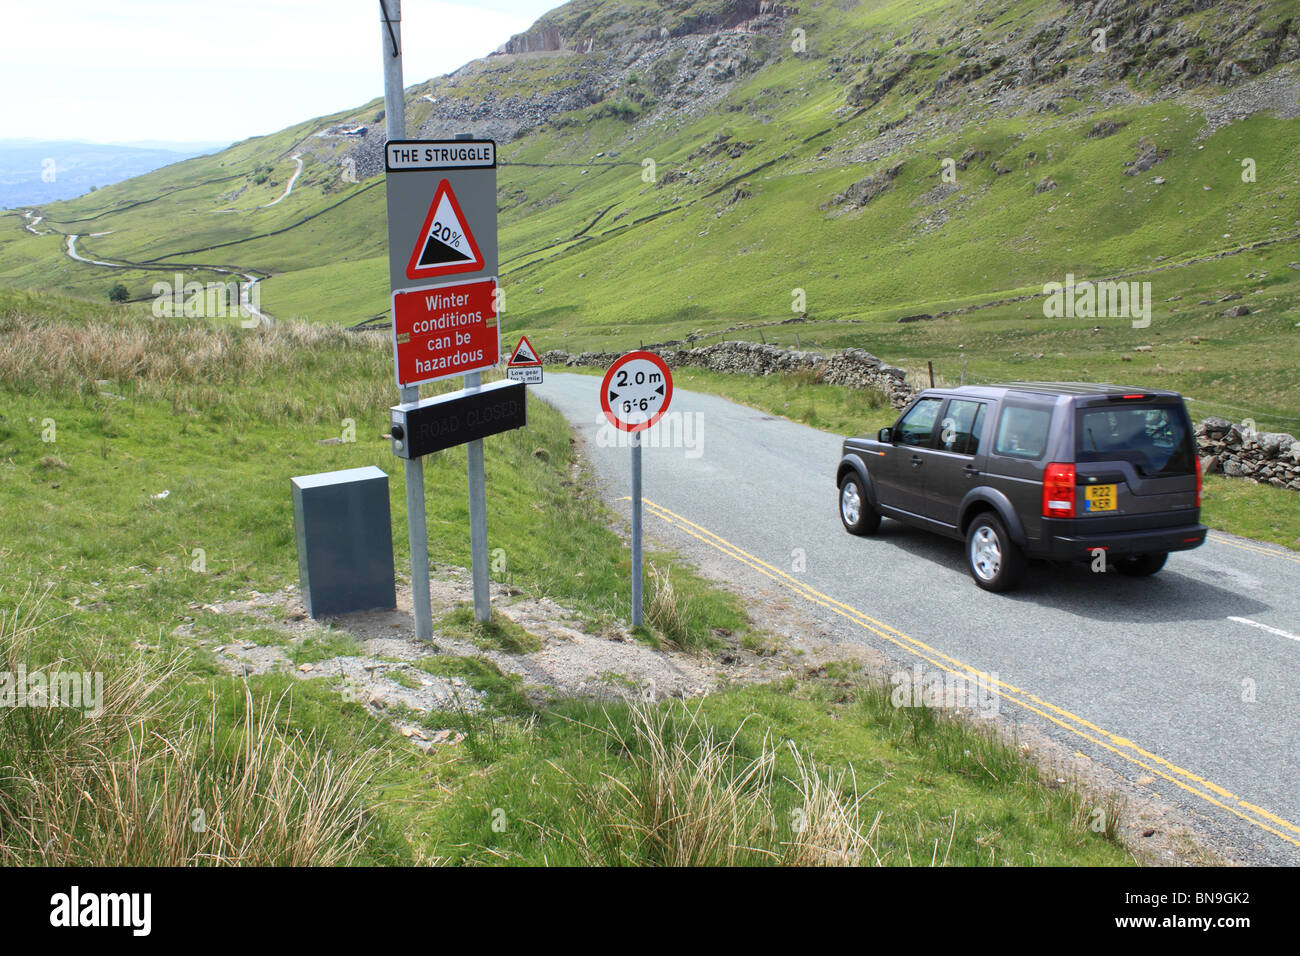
636 391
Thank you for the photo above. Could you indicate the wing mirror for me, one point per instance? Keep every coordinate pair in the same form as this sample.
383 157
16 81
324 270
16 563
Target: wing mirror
885 436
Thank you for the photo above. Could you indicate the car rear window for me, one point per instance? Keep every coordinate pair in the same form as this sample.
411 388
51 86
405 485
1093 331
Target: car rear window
1022 432
1155 439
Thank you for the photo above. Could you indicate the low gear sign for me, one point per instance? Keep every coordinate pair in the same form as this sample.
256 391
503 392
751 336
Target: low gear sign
636 391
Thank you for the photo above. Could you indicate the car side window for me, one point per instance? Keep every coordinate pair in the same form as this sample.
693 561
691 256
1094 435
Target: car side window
917 426
1022 432
960 428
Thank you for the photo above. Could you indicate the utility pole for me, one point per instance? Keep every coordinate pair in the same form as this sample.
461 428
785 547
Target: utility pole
390 25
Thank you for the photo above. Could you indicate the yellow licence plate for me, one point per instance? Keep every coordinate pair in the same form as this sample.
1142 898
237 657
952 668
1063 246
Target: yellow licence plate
1099 498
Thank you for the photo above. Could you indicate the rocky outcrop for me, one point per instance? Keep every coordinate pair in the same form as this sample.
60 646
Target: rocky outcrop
572 27
1169 45
855 368
539 41
1239 451
865 190
1148 155
1107 127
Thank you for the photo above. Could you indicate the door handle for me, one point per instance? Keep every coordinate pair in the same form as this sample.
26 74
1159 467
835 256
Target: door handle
916 461
970 471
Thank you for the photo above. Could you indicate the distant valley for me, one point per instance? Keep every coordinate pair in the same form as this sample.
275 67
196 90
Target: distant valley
37 171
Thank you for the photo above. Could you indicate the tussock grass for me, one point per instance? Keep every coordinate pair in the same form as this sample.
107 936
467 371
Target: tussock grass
140 785
714 783
197 365
668 611
688 798
758 777
830 829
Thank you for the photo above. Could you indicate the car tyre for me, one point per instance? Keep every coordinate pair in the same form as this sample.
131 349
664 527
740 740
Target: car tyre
856 512
1142 565
995 562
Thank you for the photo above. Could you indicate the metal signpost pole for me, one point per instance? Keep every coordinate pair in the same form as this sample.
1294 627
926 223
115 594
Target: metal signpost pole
635 393
636 529
478 518
390 12
478 547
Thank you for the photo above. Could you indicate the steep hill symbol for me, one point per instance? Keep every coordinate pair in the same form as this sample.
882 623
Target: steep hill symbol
445 245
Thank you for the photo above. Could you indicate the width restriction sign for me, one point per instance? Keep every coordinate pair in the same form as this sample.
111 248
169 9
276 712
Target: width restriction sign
442 257
636 391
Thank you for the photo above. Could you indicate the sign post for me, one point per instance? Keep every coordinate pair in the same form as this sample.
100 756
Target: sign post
636 529
634 395
442 261
390 12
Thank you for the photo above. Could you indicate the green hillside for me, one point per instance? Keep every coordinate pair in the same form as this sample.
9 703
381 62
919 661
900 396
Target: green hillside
803 150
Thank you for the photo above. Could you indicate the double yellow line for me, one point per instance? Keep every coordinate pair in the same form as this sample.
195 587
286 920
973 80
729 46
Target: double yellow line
1255 548
1126 749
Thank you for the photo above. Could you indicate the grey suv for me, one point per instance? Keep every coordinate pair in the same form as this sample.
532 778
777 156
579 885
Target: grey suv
1063 471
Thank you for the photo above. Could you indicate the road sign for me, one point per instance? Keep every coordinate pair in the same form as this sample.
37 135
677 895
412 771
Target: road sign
634 394
636 391
446 243
442 222
525 364
445 330
442 210
444 421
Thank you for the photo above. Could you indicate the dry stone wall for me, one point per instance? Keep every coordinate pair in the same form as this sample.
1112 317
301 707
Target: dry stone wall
1239 451
856 368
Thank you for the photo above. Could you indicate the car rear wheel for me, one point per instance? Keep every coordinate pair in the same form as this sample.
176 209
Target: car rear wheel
1142 565
995 562
855 510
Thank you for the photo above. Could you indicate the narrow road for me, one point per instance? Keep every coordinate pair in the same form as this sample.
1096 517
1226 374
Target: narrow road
72 251
1187 684
246 288
297 158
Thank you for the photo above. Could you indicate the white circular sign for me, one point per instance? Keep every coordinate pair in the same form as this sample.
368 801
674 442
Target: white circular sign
636 391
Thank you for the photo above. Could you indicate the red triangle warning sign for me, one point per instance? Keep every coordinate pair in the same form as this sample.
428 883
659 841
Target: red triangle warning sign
524 353
445 245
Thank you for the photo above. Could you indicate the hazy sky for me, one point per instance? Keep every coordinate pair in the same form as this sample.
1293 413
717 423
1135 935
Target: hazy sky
220 70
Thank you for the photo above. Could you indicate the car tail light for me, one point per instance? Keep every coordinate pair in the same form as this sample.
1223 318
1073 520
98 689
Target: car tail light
1198 482
1058 491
